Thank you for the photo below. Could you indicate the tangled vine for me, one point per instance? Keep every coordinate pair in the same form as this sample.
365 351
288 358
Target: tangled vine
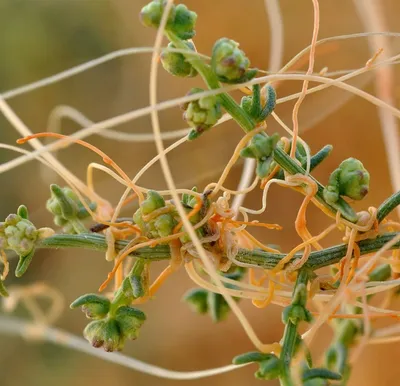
201 232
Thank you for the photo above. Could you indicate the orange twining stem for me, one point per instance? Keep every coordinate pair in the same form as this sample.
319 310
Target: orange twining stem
160 280
104 156
195 210
268 300
256 224
361 316
322 50
354 263
258 243
129 199
125 254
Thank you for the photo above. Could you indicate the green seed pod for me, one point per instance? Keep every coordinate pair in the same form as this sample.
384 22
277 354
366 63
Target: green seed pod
129 321
201 114
94 306
196 298
176 64
229 63
152 202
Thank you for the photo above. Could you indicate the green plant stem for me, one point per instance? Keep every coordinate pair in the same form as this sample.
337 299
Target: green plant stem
387 206
317 259
290 337
247 124
212 82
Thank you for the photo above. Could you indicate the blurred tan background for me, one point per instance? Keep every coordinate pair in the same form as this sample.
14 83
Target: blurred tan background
42 37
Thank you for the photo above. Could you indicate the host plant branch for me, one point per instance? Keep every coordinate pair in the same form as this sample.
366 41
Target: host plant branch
262 259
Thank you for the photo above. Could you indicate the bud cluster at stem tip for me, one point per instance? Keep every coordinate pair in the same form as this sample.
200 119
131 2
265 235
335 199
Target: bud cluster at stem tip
230 63
181 21
201 114
20 235
350 179
112 324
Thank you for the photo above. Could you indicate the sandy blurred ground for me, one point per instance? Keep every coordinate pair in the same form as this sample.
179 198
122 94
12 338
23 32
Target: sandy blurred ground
41 38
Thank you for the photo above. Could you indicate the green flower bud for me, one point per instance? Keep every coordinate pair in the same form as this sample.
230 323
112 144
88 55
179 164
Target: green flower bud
196 298
152 202
129 320
176 64
184 22
152 13
201 114
18 234
94 306
262 149
229 63
67 209
350 179
180 21
106 334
